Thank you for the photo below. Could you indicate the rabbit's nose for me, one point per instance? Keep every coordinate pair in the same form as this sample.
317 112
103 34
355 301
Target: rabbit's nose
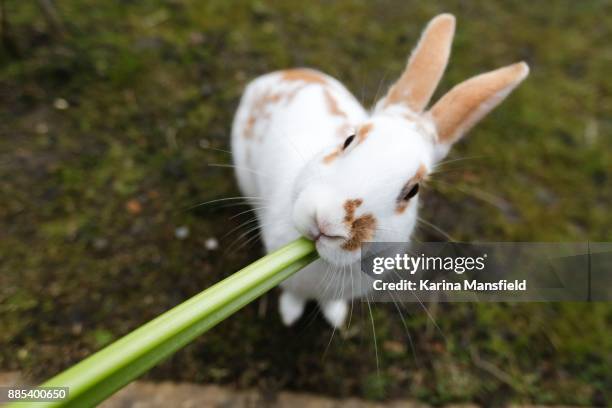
327 229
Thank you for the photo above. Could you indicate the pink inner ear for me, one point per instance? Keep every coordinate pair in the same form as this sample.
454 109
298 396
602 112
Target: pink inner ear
464 105
425 66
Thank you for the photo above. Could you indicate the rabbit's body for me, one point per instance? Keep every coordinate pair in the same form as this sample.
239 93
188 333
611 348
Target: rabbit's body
285 119
315 163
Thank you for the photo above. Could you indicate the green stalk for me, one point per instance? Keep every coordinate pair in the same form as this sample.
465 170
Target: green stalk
100 375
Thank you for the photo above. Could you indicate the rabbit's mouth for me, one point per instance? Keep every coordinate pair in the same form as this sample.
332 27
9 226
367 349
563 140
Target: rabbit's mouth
331 250
325 236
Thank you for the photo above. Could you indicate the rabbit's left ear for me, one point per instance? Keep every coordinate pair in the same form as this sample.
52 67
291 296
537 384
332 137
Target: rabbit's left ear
425 66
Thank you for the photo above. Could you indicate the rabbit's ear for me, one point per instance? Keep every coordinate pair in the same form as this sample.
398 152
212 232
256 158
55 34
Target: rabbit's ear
465 104
425 66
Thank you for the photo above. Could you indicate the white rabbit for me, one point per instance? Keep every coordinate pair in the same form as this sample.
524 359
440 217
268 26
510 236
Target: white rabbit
328 169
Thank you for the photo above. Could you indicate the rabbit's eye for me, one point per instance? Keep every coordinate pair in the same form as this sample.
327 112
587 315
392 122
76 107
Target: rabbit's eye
348 141
411 193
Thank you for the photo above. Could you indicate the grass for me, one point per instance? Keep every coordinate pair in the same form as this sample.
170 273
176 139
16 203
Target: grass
106 133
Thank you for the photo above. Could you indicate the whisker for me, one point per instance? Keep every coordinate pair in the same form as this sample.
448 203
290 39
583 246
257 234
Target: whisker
241 237
412 348
374 336
329 279
234 166
248 211
330 337
387 230
436 228
352 297
431 318
217 149
245 234
244 224
380 85
480 194
224 199
249 241
445 162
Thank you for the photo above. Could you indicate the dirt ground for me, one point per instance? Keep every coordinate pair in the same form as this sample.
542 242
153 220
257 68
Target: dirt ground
146 394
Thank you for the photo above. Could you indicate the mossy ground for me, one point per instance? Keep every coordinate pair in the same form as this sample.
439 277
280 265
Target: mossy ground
106 136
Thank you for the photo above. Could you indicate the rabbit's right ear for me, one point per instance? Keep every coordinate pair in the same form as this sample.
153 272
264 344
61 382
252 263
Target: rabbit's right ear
425 66
467 103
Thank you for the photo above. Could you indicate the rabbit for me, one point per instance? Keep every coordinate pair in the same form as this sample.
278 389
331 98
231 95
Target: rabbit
315 163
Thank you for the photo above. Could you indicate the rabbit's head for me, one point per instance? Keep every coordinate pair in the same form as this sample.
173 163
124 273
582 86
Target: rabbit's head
367 188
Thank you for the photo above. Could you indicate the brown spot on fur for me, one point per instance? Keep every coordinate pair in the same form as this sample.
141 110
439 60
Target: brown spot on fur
349 208
401 207
332 156
305 75
421 173
361 228
302 77
332 104
364 131
403 204
248 128
258 110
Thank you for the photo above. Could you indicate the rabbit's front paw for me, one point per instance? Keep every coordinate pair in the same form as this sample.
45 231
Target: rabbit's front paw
291 307
335 312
